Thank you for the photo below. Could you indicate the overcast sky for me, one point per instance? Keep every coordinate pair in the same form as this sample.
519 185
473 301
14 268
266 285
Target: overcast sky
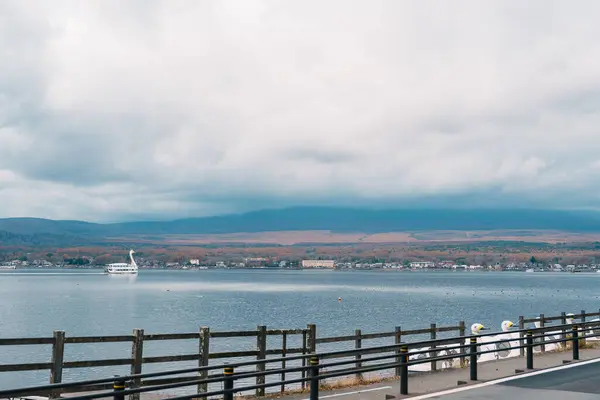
117 110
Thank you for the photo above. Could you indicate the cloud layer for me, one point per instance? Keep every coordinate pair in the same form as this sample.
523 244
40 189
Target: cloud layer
117 110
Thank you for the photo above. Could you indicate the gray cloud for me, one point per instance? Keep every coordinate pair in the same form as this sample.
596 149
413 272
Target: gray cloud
117 110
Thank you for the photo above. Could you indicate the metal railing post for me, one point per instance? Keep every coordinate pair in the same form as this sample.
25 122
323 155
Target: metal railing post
473 358
228 383
404 370
529 342
575 343
118 387
397 340
433 353
314 378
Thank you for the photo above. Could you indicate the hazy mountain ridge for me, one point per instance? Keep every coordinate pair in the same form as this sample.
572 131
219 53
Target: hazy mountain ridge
28 226
42 239
311 218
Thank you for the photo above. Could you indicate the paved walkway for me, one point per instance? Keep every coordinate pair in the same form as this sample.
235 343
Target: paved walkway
576 381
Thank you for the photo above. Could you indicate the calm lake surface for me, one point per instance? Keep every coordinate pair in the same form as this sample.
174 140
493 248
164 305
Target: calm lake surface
84 303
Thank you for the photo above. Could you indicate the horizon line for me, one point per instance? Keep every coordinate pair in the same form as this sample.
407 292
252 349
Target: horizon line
340 208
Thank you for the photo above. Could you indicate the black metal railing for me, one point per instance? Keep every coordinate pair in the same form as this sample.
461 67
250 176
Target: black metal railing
121 386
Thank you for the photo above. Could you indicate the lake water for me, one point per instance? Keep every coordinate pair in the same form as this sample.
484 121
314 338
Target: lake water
87 303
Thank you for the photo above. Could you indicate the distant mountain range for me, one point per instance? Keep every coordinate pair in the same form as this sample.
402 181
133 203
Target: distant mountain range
39 231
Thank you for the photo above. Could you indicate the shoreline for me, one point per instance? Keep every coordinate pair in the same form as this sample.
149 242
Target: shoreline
406 270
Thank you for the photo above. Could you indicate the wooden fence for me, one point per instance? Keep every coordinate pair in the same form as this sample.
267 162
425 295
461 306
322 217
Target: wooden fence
309 343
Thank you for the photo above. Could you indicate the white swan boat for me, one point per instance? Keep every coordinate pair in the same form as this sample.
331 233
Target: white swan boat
593 333
500 350
445 350
496 350
123 268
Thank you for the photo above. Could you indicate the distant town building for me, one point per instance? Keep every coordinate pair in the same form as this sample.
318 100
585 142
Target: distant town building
194 261
422 264
318 264
557 268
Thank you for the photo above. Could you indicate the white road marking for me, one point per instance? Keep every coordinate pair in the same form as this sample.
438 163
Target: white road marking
501 380
349 393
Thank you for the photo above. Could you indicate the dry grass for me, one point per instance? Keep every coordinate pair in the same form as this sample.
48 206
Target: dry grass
354 381
583 344
342 383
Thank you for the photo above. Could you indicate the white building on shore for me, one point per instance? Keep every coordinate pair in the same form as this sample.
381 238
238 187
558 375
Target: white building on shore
318 264
422 264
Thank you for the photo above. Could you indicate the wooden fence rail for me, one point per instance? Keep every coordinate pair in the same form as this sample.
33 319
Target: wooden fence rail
308 344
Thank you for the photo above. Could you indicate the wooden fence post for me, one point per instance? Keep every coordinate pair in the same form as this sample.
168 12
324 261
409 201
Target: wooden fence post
137 354
397 341
261 346
462 333
283 355
585 332
312 338
204 356
542 338
563 336
304 351
310 345
58 354
521 341
358 345
433 335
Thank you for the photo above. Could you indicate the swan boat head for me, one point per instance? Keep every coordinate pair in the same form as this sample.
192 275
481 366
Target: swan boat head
131 253
506 325
476 328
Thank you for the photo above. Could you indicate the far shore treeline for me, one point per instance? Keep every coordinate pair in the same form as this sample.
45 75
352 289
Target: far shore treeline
473 237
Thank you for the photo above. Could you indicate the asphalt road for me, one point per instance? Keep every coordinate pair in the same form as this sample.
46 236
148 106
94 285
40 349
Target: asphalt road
579 381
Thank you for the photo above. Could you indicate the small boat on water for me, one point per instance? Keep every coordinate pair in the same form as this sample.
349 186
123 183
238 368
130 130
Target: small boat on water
122 268
8 267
